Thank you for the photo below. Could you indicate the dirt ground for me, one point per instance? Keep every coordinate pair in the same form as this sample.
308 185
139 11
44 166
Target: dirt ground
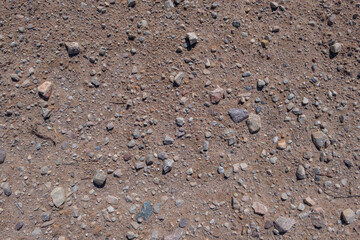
179 119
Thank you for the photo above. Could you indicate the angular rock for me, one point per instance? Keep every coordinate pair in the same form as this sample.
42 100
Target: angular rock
167 165
179 78
319 139
317 217
168 140
335 48
73 48
259 208
145 212
99 179
45 89
348 216
58 196
284 224
216 95
253 123
192 38
2 155
6 188
281 144
238 114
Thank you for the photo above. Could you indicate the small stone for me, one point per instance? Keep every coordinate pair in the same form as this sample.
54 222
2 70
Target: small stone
335 48
95 82
284 224
73 48
301 207
183 223
131 3
253 123
6 188
45 89
246 74
58 196
45 216
216 95
300 172
167 165
179 78
117 173
176 235
180 121
284 196
319 139
309 201
317 217
99 179
110 126
145 212
238 114
281 144
149 159
18 226
259 208
2 155
348 216
235 203
168 140
192 38
139 165
15 77
268 224
274 5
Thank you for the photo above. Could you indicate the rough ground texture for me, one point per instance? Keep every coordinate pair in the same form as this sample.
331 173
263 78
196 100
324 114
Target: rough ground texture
115 124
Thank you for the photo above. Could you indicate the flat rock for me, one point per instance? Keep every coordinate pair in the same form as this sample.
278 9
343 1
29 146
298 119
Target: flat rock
259 208
238 114
176 235
58 196
284 224
145 212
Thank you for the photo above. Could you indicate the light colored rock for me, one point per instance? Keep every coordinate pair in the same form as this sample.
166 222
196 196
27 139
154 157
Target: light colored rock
46 89
284 224
58 196
216 95
309 201
281 144
192 38
300 173
348 216
176 235
335 48
259 208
